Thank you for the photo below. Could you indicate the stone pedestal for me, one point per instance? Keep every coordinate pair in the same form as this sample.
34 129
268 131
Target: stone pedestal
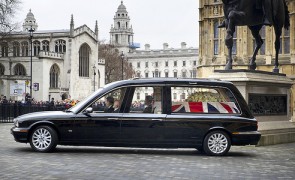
267 93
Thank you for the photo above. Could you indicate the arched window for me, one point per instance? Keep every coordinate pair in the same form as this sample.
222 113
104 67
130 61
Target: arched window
234 50
60 46
4 49
84 53
45 45
36 46
19 70
54 75
2 69
25 48
285 42
216 38
262 34
16 49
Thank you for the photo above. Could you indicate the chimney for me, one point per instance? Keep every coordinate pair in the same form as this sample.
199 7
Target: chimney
165 46
147 47
183 45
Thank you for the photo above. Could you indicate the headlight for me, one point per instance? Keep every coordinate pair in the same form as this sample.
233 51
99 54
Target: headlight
16 123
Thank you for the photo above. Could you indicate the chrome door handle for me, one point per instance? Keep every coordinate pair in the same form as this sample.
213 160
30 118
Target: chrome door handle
157 119
114 119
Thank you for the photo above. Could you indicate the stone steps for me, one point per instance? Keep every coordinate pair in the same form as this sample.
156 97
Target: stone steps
276 132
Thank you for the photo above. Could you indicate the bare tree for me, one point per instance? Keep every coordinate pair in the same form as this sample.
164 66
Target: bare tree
113 63
7 11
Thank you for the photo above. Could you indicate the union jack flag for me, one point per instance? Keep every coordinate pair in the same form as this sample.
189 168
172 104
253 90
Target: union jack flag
205 107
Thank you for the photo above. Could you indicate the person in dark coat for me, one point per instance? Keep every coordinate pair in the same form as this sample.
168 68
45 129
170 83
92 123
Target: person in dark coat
148 104
116 106
109 105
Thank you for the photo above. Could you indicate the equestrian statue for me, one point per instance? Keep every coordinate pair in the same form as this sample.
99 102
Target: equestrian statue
254 14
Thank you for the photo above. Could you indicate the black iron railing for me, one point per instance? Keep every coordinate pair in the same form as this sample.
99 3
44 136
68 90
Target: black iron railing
9 111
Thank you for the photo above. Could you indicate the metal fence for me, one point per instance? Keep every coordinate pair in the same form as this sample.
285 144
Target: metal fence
9 111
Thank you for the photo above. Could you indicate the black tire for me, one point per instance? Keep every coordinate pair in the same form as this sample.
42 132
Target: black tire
217 143
200 149
43 139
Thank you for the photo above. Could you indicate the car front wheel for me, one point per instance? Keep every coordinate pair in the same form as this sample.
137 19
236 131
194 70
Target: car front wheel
217 143
43 139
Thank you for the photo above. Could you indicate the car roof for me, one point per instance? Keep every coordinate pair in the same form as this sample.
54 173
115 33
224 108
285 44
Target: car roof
173 81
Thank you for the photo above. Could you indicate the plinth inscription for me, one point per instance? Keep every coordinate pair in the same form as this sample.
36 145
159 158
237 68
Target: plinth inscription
265 104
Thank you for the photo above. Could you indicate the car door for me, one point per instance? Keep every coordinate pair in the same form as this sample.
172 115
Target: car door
100 121
182 129
98 127
143 121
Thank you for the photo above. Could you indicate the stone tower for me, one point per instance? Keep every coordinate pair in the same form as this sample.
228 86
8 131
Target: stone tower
30 21
121 33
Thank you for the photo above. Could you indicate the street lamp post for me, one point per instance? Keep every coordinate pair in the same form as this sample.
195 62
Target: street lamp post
31 31
94 73
122 58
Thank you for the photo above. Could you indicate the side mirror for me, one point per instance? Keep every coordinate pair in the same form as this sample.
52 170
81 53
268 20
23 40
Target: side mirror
88 110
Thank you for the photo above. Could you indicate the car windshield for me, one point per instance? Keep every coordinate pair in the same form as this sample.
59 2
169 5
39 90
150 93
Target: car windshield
81 104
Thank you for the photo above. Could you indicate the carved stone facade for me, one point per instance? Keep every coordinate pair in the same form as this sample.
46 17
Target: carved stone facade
62 62
213 51
212 47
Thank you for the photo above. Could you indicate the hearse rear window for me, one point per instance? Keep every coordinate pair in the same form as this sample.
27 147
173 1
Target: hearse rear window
203 100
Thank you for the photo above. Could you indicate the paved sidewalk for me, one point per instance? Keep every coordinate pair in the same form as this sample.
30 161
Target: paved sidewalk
18 161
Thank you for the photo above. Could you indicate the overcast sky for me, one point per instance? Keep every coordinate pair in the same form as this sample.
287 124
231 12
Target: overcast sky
154 21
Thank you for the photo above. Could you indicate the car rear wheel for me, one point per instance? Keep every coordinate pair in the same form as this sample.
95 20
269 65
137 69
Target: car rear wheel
217 143
43 139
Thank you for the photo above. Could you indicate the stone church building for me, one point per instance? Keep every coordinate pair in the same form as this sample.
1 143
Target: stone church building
65 63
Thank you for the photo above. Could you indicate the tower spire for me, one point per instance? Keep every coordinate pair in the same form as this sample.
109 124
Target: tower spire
72 26
96 29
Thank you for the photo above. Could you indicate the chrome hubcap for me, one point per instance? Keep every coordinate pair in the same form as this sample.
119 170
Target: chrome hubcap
217 143
41 138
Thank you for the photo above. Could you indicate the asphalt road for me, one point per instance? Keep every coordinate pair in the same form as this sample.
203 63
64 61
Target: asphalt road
18 161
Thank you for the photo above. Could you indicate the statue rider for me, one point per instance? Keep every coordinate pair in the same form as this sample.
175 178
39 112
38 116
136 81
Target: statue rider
260 5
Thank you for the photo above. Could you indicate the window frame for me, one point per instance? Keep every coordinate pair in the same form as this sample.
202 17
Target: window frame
170 100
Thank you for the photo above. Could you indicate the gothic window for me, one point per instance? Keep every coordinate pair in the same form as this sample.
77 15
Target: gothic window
16 49
4 49
234 50
84 56
118 25
54 75
285 42
60 46
45 45
216 38
262 34
157 64
25 48
166 74
138 64
36 47
166 63
19 70
183 63
2 69
146 74
146 64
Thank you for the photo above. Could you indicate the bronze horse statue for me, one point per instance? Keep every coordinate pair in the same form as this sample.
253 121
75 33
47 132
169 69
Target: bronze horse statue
255 14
